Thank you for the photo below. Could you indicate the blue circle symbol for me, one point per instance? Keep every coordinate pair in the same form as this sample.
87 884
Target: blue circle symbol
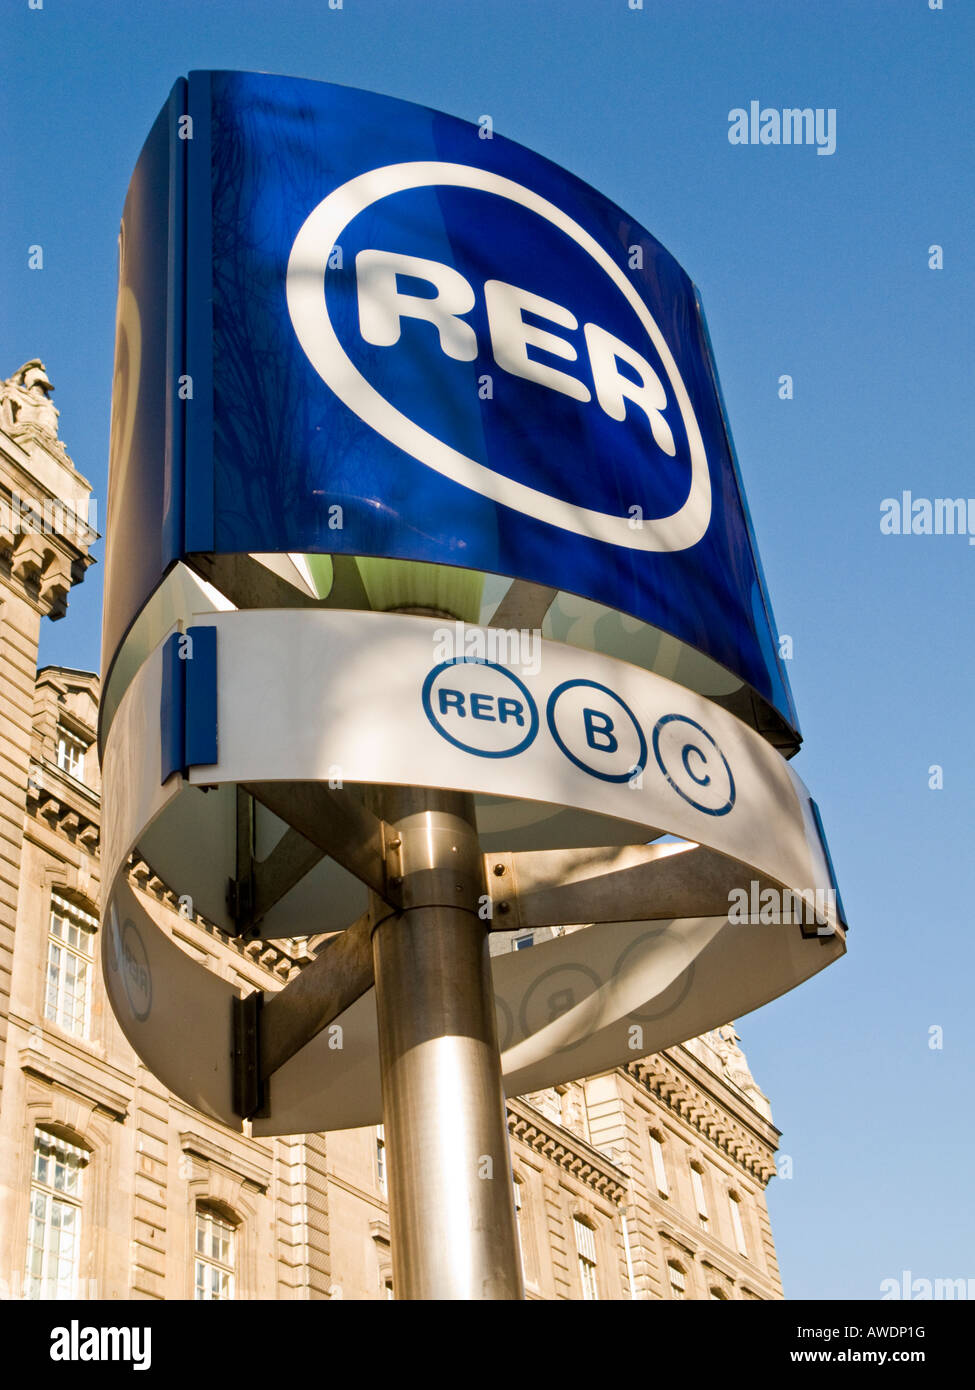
484 706
599 736
703 767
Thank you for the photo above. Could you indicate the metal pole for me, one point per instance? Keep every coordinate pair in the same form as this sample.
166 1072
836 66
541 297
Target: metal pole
451 1202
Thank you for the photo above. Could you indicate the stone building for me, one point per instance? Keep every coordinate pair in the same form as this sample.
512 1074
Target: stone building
644 1182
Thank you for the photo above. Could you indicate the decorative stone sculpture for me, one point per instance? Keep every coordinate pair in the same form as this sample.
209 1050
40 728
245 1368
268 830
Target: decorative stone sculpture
25 399
724 1041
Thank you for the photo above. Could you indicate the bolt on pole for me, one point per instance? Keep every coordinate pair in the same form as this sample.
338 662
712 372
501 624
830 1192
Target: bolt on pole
451 1204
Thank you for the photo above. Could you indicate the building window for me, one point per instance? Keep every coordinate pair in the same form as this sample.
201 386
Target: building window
70 948
71 754
659 1167
55 1217
381 1158
559 1094
215 1257
522 941
388 1289
517 1185
586 1250
734 1203
697 1183
678 1283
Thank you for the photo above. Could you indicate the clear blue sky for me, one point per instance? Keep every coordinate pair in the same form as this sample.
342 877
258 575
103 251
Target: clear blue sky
811 265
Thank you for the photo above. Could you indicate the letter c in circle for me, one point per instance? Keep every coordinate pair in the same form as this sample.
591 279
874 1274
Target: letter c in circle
686 752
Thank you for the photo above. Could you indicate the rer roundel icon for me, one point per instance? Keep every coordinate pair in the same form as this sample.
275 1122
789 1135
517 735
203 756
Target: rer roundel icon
127 954
480 707
382 305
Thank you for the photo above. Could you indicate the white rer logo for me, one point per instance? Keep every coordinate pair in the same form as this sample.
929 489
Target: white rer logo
382 306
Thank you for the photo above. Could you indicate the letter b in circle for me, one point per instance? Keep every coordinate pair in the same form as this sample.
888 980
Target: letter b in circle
596 730
599 730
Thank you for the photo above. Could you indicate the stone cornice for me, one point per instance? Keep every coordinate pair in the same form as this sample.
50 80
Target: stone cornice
44 533
677 1236
566 1149
269 955
43 570
200 1146
78 821
726 1122
21 472
371 1198
727 1095
67 719
61 783
723 1266
65 805
56 1073
698 1245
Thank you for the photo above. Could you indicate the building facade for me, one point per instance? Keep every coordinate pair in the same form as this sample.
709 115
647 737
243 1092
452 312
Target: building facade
645 1182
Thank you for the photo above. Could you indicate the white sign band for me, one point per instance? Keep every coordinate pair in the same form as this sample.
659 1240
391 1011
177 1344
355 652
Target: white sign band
305 695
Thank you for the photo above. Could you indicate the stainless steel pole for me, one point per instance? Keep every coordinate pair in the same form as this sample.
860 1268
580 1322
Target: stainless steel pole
451 1203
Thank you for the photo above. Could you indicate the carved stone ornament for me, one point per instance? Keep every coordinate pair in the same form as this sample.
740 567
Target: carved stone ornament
25 403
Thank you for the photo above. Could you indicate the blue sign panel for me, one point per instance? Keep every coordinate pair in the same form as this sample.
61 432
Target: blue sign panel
405 340
145 503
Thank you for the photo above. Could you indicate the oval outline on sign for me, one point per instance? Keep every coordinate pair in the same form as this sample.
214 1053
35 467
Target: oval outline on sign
590 1001
305 289
425 693
140 1011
